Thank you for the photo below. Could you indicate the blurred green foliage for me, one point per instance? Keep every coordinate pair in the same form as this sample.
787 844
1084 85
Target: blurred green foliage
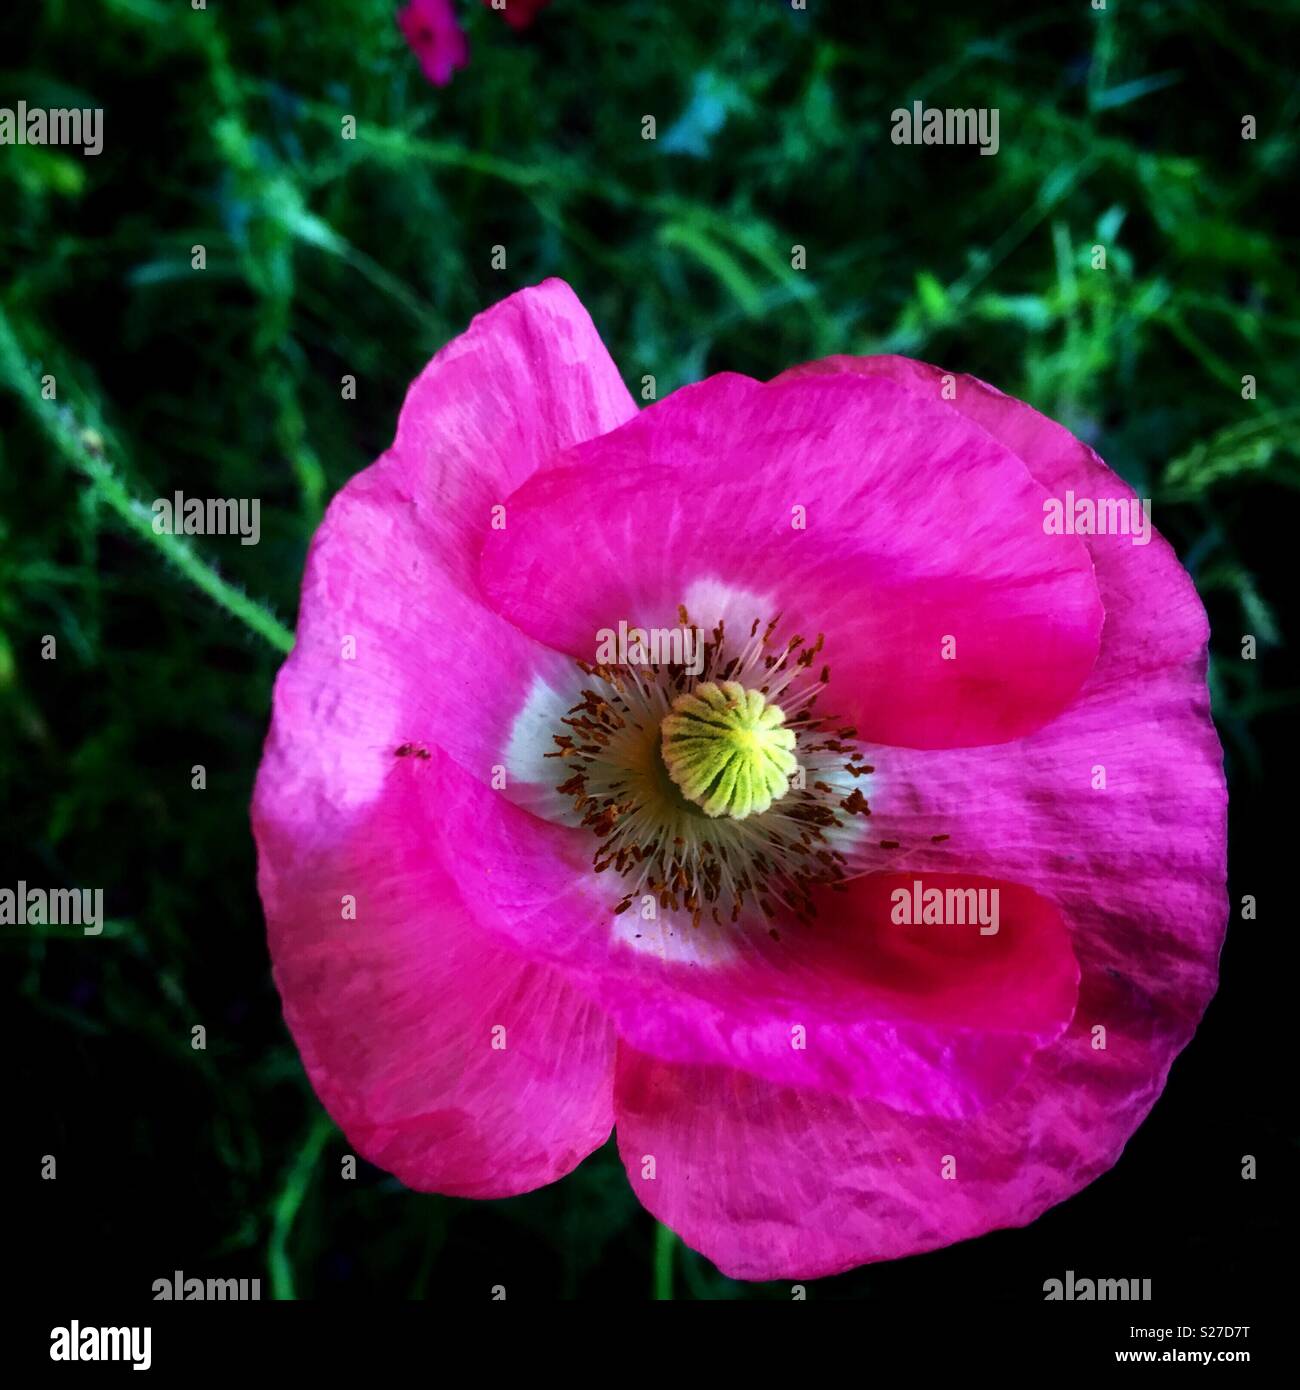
328 257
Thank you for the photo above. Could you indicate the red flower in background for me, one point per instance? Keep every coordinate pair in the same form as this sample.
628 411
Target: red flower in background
518 14
431 28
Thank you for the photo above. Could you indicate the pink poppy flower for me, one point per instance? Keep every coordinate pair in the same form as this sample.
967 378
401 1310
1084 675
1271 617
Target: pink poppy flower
518 14
522 886
435 37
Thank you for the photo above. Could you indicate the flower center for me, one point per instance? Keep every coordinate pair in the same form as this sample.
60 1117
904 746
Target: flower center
727 749
715 784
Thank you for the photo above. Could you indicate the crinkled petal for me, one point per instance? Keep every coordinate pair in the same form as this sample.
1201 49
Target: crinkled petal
395 645
393 1011
772 1182
938 1019
912 539
445 1058
1116 811
778 1182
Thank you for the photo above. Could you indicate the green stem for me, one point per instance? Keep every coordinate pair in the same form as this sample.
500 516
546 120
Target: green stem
665 1251
83 449
278 1261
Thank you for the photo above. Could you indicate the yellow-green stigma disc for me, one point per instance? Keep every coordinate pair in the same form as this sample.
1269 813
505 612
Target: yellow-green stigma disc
727 750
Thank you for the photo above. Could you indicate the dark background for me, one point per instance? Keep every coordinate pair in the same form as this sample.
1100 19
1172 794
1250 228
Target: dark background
328 257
